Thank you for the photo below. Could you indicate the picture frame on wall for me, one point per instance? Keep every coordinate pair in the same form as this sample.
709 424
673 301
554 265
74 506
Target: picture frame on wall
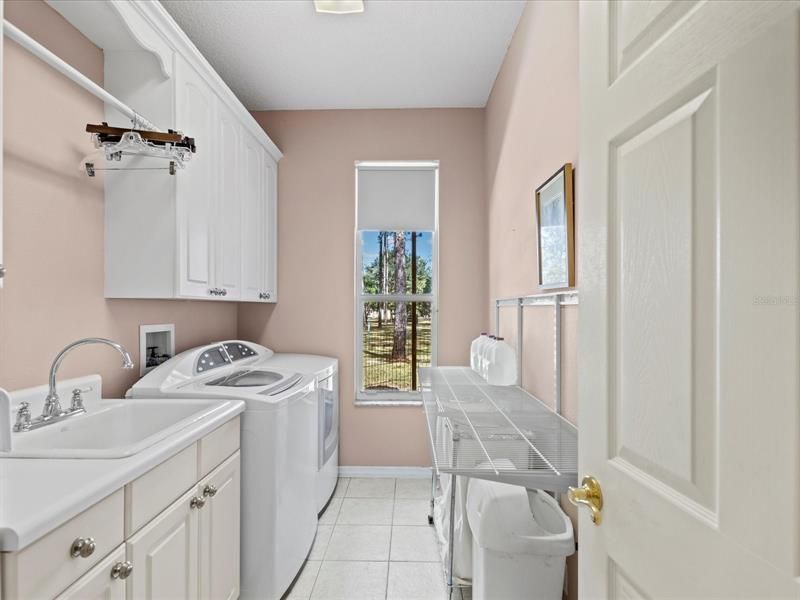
555 228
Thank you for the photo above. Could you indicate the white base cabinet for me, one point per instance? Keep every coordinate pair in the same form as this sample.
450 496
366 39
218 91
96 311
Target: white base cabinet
189 549
220 533
164 554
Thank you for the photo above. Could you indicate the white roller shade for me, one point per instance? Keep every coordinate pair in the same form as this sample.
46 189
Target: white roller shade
396 199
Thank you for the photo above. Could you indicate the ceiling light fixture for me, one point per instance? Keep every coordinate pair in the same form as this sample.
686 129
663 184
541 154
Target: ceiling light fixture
339 7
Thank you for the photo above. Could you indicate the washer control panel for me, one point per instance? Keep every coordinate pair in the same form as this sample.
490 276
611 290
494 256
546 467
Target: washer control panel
212 358
238 351
220 355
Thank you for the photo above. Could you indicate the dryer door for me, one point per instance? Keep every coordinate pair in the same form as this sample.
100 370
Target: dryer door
328 417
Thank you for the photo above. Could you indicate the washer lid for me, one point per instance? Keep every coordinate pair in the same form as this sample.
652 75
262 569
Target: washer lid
274 382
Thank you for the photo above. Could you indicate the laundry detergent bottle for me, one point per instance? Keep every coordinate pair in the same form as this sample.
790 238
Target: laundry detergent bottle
502 364
486 352
474 350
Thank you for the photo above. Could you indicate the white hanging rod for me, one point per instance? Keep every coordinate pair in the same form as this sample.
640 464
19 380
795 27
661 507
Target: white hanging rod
35 48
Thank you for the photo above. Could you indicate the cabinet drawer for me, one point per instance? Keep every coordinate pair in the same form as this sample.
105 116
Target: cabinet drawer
98 582
46 567
151 493
218 445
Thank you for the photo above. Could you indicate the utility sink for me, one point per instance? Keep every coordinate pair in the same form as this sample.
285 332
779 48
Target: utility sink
112 429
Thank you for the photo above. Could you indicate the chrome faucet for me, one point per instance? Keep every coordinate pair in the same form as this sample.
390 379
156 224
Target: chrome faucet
52 410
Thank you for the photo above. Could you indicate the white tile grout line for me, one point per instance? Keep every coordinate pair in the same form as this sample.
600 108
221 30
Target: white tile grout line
316 576
391 530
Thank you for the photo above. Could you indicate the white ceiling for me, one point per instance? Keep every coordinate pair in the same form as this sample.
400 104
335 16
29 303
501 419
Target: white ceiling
280 54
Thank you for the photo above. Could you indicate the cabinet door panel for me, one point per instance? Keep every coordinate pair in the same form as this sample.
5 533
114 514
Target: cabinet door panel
98 584
165 554
271 229
253 220
196 106
228 238
219 532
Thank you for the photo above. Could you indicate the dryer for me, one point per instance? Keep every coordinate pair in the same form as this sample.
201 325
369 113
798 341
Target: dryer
326 371
278 446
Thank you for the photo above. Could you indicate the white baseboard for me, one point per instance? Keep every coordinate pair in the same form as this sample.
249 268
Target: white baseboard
393 472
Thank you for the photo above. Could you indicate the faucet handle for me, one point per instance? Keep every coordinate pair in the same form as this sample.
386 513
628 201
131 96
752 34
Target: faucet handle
23 417
77 398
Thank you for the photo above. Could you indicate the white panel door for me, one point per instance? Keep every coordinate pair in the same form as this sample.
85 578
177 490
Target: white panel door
228 208
219 532
196 117
165 555
254 242
98 583
688 232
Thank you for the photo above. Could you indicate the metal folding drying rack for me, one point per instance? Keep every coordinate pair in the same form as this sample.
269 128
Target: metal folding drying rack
499 433
493 432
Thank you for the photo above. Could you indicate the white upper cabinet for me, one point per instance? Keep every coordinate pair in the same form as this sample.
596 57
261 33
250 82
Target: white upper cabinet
210 230
259 210
228 189
195 191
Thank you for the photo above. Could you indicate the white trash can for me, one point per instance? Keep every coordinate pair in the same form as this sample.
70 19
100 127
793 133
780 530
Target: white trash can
520 544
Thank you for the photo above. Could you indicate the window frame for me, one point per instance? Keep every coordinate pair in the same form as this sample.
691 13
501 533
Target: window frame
393 398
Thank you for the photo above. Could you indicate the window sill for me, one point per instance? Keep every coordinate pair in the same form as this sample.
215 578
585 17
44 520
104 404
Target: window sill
387 402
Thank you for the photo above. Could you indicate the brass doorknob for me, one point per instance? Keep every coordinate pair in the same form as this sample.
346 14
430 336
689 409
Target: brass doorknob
589 494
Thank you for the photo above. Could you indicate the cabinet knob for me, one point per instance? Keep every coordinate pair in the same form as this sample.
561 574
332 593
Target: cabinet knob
82 548
209 491
2 271
197 502
122 570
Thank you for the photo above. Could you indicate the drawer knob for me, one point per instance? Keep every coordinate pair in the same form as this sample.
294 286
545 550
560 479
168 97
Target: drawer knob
82 548
122 570
209 491
197 502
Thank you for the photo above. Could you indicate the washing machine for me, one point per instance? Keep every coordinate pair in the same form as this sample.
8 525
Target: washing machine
278 448
326 371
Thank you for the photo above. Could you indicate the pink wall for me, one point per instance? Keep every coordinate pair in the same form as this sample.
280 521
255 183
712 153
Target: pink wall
53 224
316 239
531 130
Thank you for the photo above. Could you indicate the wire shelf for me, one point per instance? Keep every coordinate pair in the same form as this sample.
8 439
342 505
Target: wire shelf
501 433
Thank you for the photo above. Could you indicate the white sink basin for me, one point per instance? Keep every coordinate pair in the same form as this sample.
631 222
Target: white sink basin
112 429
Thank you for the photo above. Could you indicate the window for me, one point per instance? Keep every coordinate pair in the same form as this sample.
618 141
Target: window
396 278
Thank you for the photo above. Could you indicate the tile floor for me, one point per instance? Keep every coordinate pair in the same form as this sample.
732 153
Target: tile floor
374 542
